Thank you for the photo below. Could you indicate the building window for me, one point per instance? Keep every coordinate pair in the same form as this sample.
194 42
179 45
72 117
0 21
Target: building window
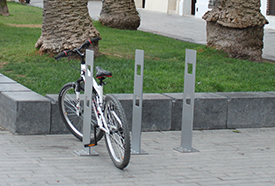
211 3
270 7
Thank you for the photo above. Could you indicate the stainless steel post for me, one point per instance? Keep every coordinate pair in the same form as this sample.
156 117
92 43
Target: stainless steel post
87 150
188 102
137 104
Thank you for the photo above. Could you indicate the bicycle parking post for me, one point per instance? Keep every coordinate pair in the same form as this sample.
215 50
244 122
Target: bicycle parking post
87 150
188 102
137 104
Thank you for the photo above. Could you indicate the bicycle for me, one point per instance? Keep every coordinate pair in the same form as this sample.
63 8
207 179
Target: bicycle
107 118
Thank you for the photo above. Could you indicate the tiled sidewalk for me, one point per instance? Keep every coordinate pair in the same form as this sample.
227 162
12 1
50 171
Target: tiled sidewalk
225 158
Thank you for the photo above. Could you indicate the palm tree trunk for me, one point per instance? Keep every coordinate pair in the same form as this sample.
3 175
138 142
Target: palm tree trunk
237 28
120 14
4 8
66 24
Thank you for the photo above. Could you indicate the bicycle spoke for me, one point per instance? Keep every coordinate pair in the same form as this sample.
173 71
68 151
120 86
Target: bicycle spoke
72 117
117 141
117 148
70 102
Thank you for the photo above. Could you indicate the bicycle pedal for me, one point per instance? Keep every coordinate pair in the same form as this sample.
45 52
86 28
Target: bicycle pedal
90 145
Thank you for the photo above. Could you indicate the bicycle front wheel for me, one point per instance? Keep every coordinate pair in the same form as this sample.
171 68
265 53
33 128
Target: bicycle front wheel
74 121
118 140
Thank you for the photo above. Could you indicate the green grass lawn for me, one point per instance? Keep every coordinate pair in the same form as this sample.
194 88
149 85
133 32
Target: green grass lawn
163 65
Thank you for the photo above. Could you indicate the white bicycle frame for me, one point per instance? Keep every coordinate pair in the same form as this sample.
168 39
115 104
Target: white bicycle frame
97 105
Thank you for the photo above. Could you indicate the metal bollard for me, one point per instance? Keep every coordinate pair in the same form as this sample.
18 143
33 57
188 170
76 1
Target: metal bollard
137 104
188 103
87 150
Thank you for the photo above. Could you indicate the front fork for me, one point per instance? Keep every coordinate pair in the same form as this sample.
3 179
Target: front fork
77 93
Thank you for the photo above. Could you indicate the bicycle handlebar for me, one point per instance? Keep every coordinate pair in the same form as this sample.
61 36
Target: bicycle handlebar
86 44
62 54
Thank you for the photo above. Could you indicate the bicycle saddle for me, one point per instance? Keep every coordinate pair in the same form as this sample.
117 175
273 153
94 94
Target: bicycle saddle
101 73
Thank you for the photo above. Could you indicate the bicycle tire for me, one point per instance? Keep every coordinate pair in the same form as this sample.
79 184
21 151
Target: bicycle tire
118 141
67 104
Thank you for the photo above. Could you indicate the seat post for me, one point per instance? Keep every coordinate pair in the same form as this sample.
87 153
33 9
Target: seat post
101 82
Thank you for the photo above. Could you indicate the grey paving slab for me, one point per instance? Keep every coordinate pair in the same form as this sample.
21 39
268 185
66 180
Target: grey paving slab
246 109
210 111
156 111
25 112
5 80
57 124
225 158
14 87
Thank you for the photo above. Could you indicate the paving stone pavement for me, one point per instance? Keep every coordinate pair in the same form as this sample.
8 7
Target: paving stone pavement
225 158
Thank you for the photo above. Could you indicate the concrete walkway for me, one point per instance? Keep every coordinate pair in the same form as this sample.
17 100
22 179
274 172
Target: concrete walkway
185 28
226 158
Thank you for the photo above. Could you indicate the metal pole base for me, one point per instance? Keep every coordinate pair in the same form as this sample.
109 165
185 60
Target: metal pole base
141 152
87 151
185 150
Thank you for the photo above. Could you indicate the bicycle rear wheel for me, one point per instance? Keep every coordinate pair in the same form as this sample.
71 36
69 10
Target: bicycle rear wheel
67 104
118 141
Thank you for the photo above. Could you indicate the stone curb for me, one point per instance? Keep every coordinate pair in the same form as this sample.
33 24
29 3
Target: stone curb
23 111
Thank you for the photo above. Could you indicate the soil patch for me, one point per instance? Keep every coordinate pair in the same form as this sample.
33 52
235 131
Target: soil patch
28 26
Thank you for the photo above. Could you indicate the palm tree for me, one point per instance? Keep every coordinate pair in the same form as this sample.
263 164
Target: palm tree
66 24
120 14
237 28
4 8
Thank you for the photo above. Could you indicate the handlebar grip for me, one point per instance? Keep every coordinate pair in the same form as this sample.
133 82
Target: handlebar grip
90 41
95 39
62 54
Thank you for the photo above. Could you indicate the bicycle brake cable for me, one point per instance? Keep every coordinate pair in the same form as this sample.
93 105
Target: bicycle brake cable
72 65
